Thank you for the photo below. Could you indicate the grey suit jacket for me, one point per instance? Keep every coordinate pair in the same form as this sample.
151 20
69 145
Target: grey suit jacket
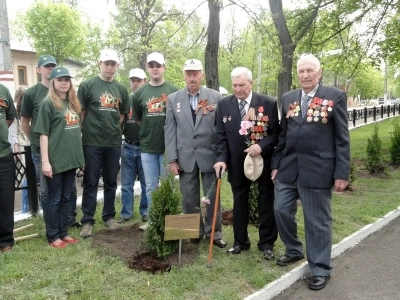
190 143
315 153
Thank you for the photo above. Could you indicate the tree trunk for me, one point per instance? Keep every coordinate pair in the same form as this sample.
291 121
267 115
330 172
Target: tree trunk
211 53
285 75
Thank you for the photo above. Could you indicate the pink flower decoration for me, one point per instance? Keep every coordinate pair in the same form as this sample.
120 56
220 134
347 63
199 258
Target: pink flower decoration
243 131
204 200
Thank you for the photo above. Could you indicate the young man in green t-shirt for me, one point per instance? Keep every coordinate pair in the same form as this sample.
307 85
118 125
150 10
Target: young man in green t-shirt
104 105
149 107
7 171
31 101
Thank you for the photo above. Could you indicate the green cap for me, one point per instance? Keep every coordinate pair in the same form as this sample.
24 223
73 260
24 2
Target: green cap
59 72
46 59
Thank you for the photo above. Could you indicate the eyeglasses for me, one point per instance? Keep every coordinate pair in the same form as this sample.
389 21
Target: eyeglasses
154 66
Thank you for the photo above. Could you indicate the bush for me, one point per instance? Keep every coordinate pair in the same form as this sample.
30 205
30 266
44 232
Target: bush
394 148
166 200
253 202
374 161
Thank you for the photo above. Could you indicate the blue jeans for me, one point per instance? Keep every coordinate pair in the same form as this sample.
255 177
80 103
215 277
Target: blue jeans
72 204
56 207
40 178
97 158
25 201
131 165
153 167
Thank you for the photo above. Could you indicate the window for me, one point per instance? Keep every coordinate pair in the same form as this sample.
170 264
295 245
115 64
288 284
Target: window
22 75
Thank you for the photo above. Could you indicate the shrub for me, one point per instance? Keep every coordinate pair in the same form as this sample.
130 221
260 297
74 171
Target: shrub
166 200
394 148
374 161
253 202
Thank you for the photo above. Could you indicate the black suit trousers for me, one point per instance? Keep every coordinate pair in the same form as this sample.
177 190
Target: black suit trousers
268 232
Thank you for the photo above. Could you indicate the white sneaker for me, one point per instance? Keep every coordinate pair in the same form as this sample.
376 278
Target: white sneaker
143 227
112 224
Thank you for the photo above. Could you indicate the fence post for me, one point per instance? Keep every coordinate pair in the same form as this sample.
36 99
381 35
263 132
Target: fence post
381 111
32 182
354 117
374 113
388 111
365 115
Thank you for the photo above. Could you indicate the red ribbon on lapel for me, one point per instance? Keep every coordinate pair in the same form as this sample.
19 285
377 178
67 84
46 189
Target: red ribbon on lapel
202 104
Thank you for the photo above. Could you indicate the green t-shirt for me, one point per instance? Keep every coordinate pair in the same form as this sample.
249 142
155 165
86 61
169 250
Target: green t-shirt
31 100
131 128
149 106
7 112
103 102
62 126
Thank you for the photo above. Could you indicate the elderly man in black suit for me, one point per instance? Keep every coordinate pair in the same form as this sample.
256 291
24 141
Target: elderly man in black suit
232 148
312 157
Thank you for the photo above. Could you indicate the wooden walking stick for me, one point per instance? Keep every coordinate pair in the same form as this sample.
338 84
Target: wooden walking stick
210 250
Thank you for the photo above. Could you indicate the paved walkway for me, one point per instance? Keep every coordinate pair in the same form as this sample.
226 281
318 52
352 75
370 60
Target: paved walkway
369 270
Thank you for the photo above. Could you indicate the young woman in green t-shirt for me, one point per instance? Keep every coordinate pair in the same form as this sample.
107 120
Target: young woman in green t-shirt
61 152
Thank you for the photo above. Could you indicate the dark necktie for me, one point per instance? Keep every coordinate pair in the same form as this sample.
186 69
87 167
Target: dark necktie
304 105
242 108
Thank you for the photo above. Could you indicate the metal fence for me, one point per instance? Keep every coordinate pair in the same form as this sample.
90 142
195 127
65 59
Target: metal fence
370 114
28 171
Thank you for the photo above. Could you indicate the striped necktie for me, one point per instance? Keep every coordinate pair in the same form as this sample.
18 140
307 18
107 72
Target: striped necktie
304 105
242 108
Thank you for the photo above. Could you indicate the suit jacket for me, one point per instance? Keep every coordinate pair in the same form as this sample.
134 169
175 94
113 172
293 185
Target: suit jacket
315 153
190 143
231 145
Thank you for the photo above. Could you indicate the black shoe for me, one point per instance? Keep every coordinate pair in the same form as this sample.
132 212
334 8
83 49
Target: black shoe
287 260
269 254
145 218
219 243
318 282
122 220
76 225
235 250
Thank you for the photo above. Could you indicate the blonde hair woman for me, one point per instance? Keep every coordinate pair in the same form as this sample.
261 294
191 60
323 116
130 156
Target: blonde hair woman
61 152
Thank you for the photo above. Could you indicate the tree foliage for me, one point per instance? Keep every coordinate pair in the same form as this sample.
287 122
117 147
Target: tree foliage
56 29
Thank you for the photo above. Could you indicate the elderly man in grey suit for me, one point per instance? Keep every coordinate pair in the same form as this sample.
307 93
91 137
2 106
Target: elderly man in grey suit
312 157
190 145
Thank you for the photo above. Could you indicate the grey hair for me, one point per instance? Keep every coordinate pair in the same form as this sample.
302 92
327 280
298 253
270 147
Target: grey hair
309 58
242 71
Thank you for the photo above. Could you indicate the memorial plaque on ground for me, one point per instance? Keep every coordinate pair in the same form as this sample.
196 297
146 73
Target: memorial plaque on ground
185 226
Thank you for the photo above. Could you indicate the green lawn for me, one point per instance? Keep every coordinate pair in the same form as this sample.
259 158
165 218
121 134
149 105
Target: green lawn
33 270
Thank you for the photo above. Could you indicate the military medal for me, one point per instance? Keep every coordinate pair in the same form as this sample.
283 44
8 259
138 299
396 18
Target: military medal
229 118
309 119
316 119
224 119
324 120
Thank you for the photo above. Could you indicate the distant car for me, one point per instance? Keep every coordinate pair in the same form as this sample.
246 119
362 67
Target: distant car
395 101
381 101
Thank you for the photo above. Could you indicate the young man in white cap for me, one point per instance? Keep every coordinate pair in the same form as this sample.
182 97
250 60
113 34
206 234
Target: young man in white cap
104 105
31 100
190 128
149 105
131 162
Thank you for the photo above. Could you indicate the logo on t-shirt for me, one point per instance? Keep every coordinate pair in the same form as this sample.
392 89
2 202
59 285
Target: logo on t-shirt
3 106
157 105
109 102
130 114
71 117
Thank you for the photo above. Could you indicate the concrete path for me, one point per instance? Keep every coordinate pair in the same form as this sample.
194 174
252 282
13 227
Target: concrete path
368 270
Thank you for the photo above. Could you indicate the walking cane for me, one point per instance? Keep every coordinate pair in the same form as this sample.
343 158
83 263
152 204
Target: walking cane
210 250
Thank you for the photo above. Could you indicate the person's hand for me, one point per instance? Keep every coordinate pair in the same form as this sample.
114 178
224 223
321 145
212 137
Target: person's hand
253 150
218 166
174 168
340 185
273 174
47 170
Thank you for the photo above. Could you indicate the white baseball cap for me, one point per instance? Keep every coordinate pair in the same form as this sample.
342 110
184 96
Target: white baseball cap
193 65
157 57
138 73
108 54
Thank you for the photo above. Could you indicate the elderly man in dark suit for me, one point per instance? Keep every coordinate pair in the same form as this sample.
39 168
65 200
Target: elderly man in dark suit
312 157
232 148
190 145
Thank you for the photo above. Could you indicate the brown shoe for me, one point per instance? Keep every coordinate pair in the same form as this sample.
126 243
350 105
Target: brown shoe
6 249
